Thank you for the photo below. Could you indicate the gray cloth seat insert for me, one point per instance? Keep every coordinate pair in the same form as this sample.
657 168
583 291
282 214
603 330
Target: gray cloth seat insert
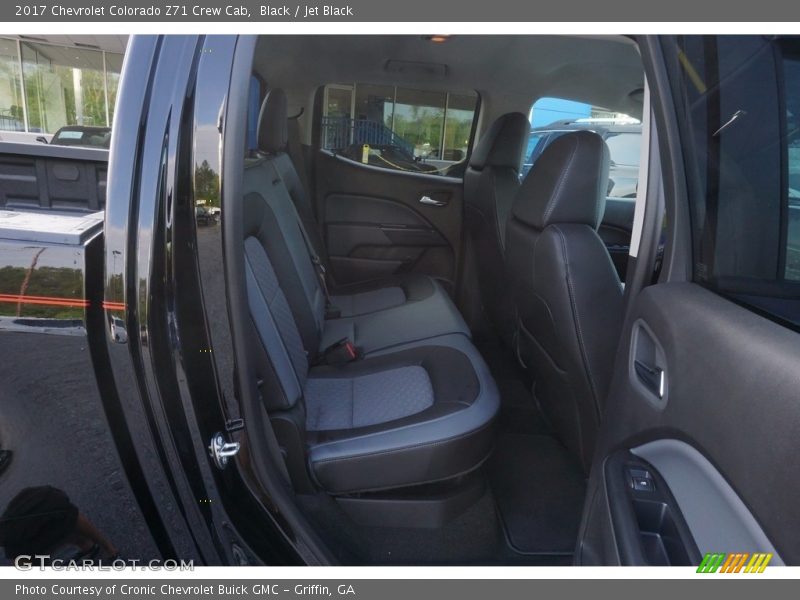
338 403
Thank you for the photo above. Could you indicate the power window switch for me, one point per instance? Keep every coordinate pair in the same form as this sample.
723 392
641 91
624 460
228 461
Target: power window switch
642 484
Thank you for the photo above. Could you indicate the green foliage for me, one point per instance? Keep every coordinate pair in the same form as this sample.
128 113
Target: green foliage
44 281
206 184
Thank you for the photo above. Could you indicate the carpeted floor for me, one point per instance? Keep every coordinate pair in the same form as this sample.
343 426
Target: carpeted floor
537 484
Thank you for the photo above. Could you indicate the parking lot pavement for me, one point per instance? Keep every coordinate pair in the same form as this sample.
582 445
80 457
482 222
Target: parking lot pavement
52 419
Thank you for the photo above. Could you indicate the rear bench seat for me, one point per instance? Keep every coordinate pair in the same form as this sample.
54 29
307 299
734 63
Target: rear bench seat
418 404
374 315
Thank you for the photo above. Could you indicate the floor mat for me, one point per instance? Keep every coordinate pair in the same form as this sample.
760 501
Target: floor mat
539 489
475 537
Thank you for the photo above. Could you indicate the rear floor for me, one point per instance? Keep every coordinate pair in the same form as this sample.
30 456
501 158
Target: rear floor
537 484
528 515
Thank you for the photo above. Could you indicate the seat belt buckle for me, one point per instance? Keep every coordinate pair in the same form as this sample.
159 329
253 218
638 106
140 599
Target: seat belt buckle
340 353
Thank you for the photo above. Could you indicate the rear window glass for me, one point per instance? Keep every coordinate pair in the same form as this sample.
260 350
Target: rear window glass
254 94
70 135
624 148
92 138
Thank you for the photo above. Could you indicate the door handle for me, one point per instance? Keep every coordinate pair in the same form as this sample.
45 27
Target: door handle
432 201
652 377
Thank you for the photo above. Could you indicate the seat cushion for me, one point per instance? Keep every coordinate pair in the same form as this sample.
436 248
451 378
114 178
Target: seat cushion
431 316
369 399
420 413
370 301
379 294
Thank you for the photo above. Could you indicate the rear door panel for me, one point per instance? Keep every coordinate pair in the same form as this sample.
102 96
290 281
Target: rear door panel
374 224
706 390
731 395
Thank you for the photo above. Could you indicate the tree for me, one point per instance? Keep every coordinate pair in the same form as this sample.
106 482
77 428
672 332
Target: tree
206 184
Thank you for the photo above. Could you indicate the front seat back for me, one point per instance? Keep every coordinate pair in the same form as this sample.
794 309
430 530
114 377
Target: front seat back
490 183
567 295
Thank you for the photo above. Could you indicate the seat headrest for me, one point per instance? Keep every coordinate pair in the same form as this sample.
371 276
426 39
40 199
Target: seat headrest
273 127
567 184
503 144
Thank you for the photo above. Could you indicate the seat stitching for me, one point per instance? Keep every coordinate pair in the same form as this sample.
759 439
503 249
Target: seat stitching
496 216
576 316
551 204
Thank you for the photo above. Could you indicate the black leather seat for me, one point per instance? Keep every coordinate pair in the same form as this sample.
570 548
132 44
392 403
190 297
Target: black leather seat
416 408
373 315
567 294
490 184
350 300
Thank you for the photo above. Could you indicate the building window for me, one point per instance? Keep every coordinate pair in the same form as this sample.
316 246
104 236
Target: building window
12 117
458 126
62 86
113 70
419 119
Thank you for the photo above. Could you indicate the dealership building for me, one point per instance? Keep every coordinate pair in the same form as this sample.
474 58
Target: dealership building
47 82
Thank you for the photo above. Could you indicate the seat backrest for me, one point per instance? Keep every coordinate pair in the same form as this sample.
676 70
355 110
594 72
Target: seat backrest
491 181
280 280
287 239
287 301
286 308
273 140
567 295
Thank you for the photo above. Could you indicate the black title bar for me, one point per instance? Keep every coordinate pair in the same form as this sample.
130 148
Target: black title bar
402 10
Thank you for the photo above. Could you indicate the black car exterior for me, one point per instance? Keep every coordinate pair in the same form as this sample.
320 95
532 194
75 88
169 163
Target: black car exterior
127 449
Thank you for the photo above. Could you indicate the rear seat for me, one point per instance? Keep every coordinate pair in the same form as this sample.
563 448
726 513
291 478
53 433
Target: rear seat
353 299
373 315
416 408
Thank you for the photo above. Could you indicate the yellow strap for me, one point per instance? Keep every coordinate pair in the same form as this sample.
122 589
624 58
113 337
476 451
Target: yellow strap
388 162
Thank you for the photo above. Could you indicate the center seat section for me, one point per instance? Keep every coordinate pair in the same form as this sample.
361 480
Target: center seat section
372 316
394 434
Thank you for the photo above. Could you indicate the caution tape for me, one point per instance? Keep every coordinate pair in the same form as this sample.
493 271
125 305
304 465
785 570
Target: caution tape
398 167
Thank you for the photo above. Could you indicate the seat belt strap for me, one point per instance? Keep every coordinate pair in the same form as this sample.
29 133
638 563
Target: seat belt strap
296 153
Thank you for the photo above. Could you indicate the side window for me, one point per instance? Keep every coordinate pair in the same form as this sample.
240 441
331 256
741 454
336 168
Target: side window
791 70
399 128
739 103
553 117
254 94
